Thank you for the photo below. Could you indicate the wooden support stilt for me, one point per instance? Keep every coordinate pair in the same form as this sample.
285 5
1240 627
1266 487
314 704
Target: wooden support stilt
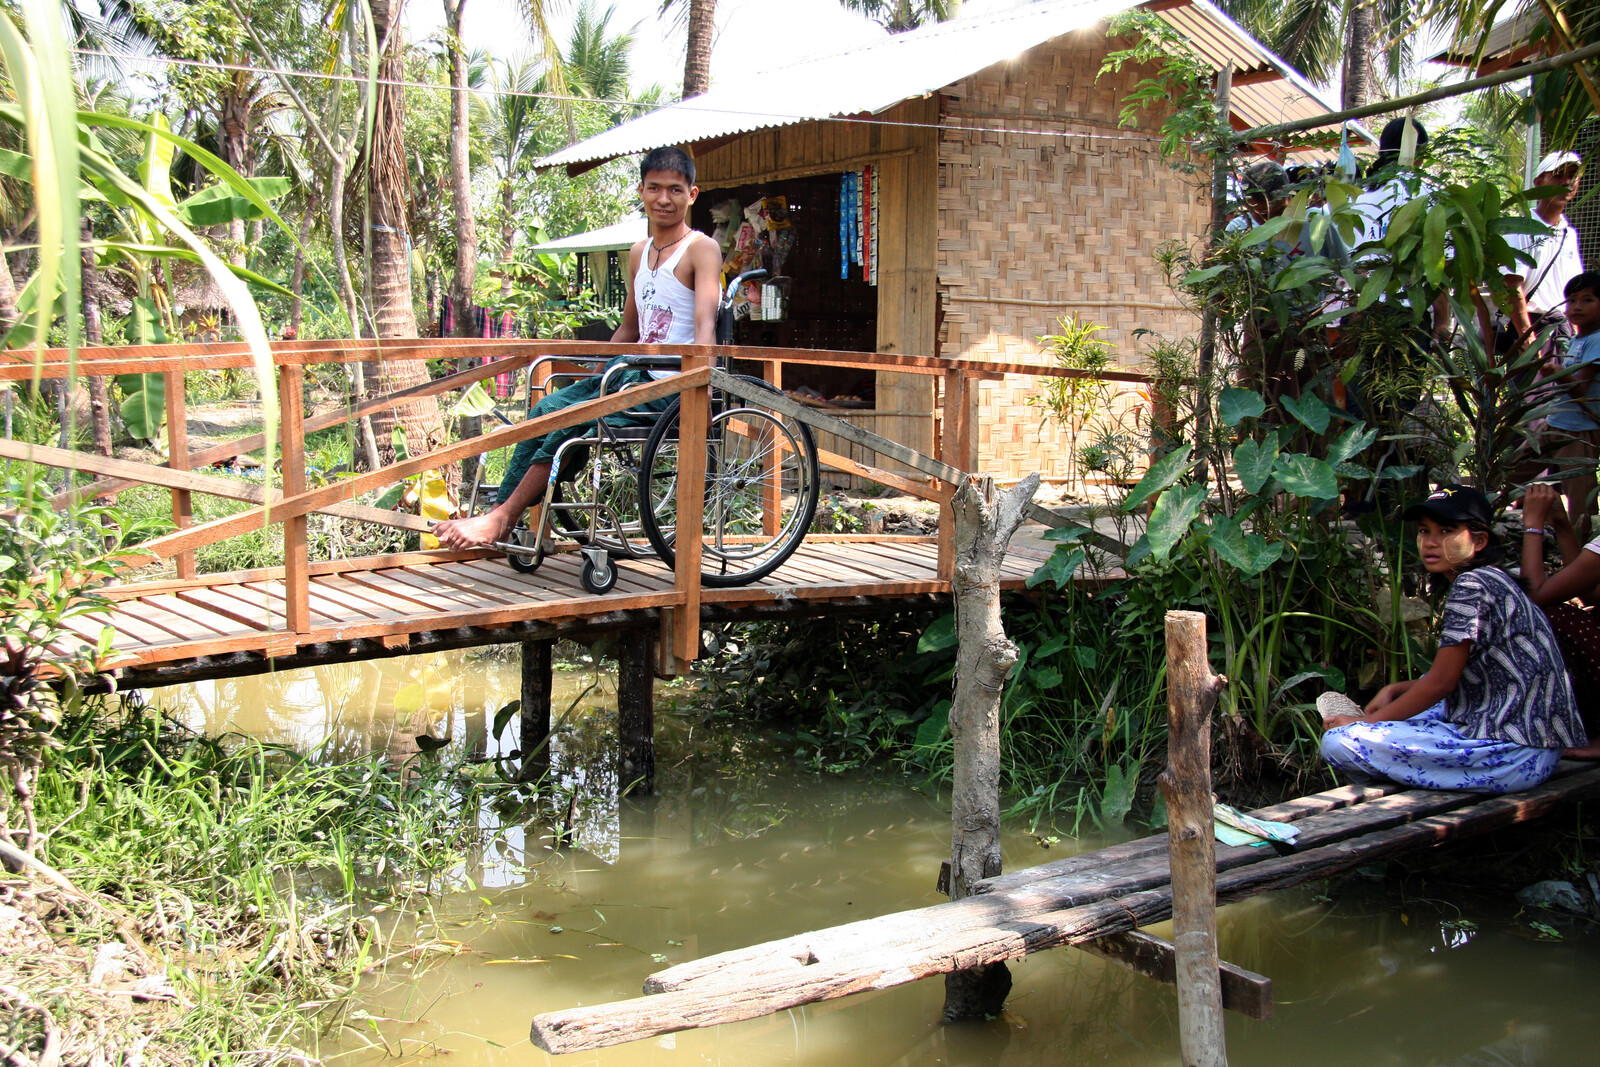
535 712
1186 783
984 523
636 717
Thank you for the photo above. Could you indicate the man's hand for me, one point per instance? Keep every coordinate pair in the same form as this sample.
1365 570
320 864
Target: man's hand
476 532
1538 504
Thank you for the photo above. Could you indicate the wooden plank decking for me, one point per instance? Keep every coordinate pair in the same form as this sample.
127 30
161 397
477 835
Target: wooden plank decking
388 600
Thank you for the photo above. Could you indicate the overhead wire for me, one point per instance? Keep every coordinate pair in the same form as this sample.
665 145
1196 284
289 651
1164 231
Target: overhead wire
684 105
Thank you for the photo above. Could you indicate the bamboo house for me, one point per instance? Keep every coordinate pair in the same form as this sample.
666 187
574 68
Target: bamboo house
953 191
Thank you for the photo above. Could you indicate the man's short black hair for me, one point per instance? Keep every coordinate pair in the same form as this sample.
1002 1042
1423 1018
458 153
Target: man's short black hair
1589 281
670 159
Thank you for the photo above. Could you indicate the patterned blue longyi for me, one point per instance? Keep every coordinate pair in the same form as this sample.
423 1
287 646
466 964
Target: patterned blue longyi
1429 752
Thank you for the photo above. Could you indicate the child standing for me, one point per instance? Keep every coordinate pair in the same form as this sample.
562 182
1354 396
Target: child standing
1495 710
1575 414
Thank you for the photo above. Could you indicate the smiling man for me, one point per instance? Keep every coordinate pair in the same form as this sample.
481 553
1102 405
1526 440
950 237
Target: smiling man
673 278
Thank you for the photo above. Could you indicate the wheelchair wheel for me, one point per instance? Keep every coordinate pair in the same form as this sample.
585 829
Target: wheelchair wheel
760 495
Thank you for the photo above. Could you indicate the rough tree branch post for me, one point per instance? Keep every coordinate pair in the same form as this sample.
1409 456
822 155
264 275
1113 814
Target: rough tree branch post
984 525
1192 692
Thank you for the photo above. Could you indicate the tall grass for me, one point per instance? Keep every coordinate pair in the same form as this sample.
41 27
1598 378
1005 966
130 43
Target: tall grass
268 883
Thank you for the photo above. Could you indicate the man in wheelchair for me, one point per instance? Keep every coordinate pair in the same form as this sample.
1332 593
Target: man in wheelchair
673 281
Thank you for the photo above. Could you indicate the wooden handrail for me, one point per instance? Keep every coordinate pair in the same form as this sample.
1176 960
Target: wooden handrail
203 457
134 359
301 503
126 472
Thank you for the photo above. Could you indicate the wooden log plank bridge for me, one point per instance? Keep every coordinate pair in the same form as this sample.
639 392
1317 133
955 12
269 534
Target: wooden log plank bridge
196 626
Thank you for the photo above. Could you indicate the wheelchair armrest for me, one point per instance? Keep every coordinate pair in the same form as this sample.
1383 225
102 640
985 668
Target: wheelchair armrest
654 362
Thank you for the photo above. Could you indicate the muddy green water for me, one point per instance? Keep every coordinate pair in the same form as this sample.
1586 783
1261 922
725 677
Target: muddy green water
742 845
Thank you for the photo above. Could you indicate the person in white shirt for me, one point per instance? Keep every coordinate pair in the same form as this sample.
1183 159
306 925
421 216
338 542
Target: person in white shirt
1536 293
673 279
1388 189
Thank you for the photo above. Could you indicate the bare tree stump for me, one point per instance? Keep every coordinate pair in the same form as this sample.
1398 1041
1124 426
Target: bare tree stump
1186 783
984 525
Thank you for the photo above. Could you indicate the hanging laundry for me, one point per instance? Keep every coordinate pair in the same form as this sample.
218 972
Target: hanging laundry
447 317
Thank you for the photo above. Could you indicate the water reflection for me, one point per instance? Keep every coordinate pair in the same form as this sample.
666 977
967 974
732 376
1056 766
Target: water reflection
740 846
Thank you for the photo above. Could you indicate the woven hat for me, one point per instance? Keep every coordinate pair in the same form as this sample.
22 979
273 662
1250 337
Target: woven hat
1331 704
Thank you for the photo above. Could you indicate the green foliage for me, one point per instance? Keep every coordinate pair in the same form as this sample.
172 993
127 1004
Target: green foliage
273 865
1180 89
50 564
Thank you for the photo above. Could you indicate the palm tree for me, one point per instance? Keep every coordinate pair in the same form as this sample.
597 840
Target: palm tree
699 16
898 16
1353 38
697 54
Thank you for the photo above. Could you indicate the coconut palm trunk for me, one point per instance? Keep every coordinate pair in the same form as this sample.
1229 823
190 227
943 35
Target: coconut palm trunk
1358 81
387 188
464 279
697 57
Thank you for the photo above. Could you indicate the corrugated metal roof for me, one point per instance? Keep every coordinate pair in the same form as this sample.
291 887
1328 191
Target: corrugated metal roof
874 77
1505 38
625 234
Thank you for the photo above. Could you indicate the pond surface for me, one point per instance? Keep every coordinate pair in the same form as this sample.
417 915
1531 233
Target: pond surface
743 845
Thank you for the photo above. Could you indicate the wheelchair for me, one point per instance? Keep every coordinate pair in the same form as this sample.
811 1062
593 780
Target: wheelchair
614 489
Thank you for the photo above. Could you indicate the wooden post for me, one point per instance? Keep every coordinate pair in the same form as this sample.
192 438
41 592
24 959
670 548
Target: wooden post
1186 783
982 528
636 721
694 407
534 714
178 459
296 561
955 448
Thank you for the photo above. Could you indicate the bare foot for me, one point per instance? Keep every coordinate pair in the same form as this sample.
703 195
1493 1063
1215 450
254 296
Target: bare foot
476 532
1590 751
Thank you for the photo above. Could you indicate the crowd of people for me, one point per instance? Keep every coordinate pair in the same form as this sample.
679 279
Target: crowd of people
1515 683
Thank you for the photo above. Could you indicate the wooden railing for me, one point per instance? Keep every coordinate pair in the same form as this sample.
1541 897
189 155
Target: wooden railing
939 474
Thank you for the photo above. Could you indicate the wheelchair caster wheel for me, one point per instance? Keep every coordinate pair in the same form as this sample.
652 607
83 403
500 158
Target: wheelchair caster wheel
525 563
598 580
527 560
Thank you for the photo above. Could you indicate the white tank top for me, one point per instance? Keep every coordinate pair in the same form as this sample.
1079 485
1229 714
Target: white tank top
666 305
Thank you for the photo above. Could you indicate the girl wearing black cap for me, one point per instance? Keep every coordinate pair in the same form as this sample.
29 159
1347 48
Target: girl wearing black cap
1495 710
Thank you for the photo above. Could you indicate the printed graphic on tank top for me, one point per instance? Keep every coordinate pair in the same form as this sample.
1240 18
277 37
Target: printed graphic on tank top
666 305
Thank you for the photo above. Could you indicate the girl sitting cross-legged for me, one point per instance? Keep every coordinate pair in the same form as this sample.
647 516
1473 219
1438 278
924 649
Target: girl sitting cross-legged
1495 710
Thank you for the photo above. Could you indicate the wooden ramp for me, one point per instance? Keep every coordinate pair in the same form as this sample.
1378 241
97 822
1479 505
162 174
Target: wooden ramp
1076 901
233 623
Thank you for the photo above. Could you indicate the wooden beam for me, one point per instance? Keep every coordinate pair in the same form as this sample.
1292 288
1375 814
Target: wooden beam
134 473
204 457
178 453
296 560
1256 76
1246 992
299 504
694 408
136 359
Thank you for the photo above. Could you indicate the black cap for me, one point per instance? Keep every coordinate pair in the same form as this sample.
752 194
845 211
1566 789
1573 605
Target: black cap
1454 503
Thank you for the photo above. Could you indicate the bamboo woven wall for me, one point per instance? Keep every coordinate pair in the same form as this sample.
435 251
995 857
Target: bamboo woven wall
1034 227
